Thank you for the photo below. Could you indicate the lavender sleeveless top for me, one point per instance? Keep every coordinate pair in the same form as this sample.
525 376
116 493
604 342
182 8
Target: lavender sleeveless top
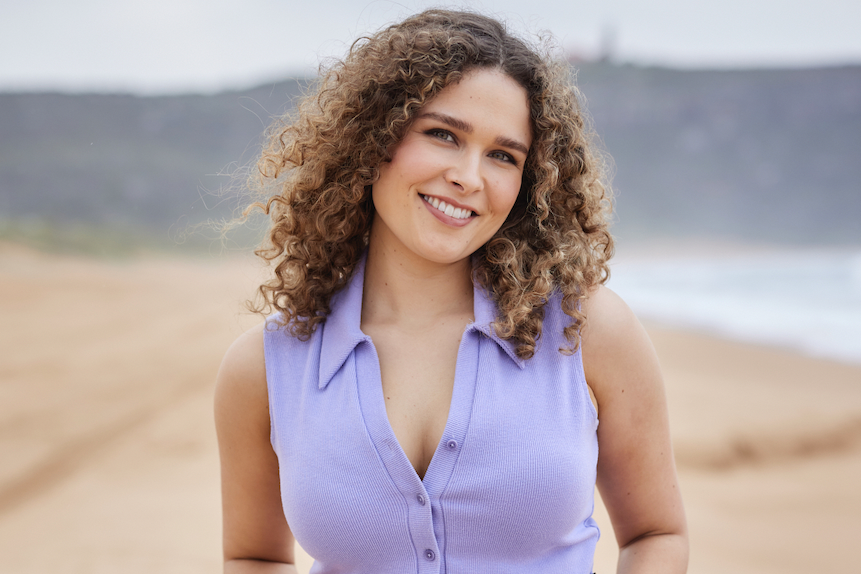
509 489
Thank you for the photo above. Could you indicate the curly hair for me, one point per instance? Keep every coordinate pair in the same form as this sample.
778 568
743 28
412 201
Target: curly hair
322 160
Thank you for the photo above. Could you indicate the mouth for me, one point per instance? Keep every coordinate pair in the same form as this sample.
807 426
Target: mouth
447 209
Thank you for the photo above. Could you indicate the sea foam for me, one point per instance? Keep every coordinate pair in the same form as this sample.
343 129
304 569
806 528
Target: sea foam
805 300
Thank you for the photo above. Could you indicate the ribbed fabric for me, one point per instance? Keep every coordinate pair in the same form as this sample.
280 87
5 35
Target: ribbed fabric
509 489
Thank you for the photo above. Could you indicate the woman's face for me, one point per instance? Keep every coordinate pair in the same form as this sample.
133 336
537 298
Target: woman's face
454 177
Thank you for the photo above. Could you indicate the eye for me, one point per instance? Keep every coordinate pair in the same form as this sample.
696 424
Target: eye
441 134
502 156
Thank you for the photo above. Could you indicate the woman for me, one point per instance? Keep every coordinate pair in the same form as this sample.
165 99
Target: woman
426 397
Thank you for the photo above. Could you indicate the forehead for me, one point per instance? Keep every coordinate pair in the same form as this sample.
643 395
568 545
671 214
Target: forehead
488 98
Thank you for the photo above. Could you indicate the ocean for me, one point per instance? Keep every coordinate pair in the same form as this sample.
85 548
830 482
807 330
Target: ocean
807 300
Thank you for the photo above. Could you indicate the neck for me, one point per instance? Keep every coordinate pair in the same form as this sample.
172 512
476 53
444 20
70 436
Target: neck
403 288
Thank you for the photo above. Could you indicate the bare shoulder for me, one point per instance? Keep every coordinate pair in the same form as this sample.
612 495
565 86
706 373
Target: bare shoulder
616 347
636 472
606 313
254 523
240 386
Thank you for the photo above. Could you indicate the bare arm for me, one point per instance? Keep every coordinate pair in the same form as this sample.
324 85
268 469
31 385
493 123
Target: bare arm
636 470
257 538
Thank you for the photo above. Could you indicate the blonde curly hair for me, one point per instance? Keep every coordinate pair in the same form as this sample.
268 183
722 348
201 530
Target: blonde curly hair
319 164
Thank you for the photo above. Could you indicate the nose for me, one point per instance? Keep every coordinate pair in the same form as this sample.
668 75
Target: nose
466 172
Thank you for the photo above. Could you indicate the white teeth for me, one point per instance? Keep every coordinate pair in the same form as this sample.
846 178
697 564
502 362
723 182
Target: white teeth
450 210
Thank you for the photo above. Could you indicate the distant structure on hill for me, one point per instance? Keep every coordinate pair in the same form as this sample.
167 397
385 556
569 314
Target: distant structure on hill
604 54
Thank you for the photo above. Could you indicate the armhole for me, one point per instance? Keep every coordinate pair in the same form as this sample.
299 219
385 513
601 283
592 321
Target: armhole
583 384
592 398
270 329
581 374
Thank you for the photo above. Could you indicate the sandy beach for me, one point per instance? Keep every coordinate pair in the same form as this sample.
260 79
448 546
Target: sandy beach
108 460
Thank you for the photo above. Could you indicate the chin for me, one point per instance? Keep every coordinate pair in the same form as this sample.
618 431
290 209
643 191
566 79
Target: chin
447 260
444 256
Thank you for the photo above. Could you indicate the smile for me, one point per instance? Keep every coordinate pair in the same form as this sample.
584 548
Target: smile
449 210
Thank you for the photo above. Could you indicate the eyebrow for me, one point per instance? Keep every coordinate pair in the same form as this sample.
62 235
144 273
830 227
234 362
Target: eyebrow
467 127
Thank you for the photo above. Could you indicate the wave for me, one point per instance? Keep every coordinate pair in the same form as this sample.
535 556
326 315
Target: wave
806 300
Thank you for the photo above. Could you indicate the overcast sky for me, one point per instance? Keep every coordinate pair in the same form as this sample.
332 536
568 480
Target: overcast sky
169 46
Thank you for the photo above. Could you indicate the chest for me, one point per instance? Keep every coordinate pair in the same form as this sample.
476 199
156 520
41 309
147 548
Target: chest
417 372
510 484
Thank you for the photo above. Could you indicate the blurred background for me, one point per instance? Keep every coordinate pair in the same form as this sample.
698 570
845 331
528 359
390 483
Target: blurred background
126 128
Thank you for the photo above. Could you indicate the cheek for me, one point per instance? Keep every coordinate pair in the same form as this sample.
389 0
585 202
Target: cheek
409 156
508 190
405 167
384 190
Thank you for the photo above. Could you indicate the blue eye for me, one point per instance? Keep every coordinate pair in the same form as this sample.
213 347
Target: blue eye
441 134
501 155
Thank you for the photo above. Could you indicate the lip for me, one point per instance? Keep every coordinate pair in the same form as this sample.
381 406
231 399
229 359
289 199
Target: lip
447 219
450 201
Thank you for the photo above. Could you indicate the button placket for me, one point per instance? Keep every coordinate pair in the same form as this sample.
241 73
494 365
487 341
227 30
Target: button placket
452 444
404 478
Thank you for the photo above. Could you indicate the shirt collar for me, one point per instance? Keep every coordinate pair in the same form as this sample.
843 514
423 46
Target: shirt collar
484 310
342 329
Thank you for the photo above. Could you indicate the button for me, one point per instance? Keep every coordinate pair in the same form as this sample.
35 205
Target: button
421 499
452 444
429 554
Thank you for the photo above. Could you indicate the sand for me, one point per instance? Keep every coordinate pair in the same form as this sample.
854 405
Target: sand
108 461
